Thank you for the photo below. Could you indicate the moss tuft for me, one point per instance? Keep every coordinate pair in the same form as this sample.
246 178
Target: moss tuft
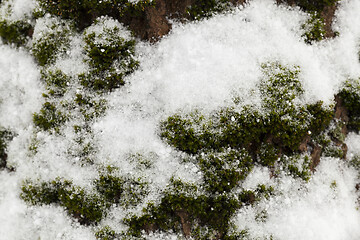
315 5
49 118
111 58
106 233
16 32
314 29
350 95
85 207
206 8
5 137
83 13
54 41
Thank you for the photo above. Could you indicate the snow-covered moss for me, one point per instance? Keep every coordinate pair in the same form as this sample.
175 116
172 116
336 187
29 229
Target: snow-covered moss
206 8
5 137
51 39
83 13
110 53
314 29
350 95
15 32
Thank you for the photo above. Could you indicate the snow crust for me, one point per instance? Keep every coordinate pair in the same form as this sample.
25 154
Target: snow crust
202 65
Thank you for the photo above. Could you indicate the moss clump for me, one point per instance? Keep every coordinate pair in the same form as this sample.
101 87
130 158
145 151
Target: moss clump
179 206
90 108
56 82
110 187
86 208
350 95
283 122
189 134
223 171
297 166
206 8
227 144
83 13
16 32
315 5
111 58
5 137
52 41
106 233
49 118
314 29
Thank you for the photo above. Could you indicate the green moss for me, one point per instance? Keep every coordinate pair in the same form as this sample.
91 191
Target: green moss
186 134
355 163
110 187
106 233
16 32
49 118
350 95
89 108
314 29
284 123
206 8
111 59
83 13
213 212
315 5
5 137
85 207
333 151
320 117
125 191
222 172
297 166
54 41
207 215
268 155
56 82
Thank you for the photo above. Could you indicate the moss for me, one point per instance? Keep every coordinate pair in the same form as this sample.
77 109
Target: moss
315 5
56 82
16 32
83 13
49 118
90 109
321 117
297 166
110 187
268 155
125 191
85 207
111 59
186 135
355 163
314 29
207 215
222 172
54 41
5 137
350 95
214 212
106 233
333 151
206 8
284 124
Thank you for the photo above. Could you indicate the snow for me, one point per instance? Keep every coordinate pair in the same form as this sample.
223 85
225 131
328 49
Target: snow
201 65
